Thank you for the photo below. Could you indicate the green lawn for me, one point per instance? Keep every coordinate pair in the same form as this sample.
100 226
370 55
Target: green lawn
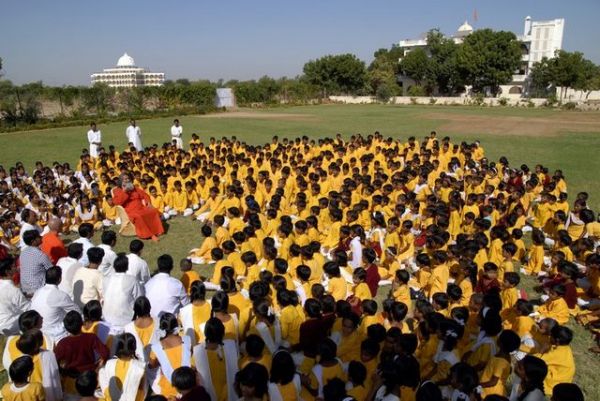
555 145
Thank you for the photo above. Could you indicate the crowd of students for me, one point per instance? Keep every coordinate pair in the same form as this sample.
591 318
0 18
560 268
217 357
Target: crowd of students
365 269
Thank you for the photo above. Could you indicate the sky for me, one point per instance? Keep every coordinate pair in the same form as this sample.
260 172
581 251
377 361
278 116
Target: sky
62 42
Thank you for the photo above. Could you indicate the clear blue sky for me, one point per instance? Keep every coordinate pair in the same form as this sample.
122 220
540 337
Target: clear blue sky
63 42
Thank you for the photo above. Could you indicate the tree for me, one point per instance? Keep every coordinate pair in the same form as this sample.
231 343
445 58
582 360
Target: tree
344 74
415 64
565 70
98 97
383 71
442 72
0 66
488 59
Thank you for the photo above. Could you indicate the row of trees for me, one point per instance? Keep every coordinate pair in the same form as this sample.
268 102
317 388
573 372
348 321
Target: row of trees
566 70
485 59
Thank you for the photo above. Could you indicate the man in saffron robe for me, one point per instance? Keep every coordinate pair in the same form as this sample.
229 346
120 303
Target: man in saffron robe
136 203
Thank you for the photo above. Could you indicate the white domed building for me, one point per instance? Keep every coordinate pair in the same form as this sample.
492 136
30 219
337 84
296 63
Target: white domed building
127 75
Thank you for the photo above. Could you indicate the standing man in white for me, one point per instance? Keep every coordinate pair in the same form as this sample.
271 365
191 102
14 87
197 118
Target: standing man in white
134 135
176 134
95 139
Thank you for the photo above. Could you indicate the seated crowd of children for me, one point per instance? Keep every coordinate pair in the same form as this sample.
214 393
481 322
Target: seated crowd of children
366 269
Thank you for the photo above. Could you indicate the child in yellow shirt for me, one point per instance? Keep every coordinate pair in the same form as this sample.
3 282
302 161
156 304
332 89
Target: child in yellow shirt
201 255
535 257
109 210
336 285
189 275
556 306
498 369
400 291
20 388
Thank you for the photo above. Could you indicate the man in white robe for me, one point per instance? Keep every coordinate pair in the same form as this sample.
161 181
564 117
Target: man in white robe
109 240
134 135
69 265
53 305
120 291
12 300
177 133
138 267
95 139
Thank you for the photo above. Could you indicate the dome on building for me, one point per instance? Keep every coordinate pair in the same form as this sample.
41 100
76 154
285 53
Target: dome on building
126 61
465 28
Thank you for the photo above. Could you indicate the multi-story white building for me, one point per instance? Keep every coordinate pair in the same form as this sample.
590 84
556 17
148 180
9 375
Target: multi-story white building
539 39
127 75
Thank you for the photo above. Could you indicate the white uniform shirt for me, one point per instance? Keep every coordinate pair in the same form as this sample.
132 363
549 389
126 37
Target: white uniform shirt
93 138
134 135
120 291
12 304
87 244
106 266
176 133
27 227
53 304
138 268
69 268
356 248
87 286
166 294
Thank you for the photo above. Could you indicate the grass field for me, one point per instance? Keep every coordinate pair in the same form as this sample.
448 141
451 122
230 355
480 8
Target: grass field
557 139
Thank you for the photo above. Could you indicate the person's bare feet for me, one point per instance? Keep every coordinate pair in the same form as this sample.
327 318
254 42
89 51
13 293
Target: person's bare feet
154 238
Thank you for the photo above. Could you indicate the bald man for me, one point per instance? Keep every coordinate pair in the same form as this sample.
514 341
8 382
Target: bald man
52 245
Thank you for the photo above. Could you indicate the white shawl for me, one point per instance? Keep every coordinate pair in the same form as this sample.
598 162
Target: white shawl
275 394
265 333
230 354
143 352
50 376
131 384
165 365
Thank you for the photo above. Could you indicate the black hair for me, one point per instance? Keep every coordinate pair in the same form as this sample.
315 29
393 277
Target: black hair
136 246
168 323
508 341
254 345
184 378
20 369
29 320
121 263
75 250
86 230
214 331
220 302
126 345
92 311
562 335
334 390
95 255
197 291
165 263
357 373
327 350
86 383
73 322
536 371
429 391
283 368
108 237
141 307
253 375
53 275
567 392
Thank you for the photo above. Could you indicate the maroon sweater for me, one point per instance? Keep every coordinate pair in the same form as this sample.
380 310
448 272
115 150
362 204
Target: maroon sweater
76 354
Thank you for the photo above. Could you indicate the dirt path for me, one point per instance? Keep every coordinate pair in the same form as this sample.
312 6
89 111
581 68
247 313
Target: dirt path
516 125
261 115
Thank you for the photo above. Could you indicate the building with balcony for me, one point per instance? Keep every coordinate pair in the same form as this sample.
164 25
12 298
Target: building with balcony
127 75
539 39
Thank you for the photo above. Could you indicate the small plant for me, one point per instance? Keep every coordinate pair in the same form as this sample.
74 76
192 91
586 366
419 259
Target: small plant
478 99
413 100
569 106
530 104
432 100
503 101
